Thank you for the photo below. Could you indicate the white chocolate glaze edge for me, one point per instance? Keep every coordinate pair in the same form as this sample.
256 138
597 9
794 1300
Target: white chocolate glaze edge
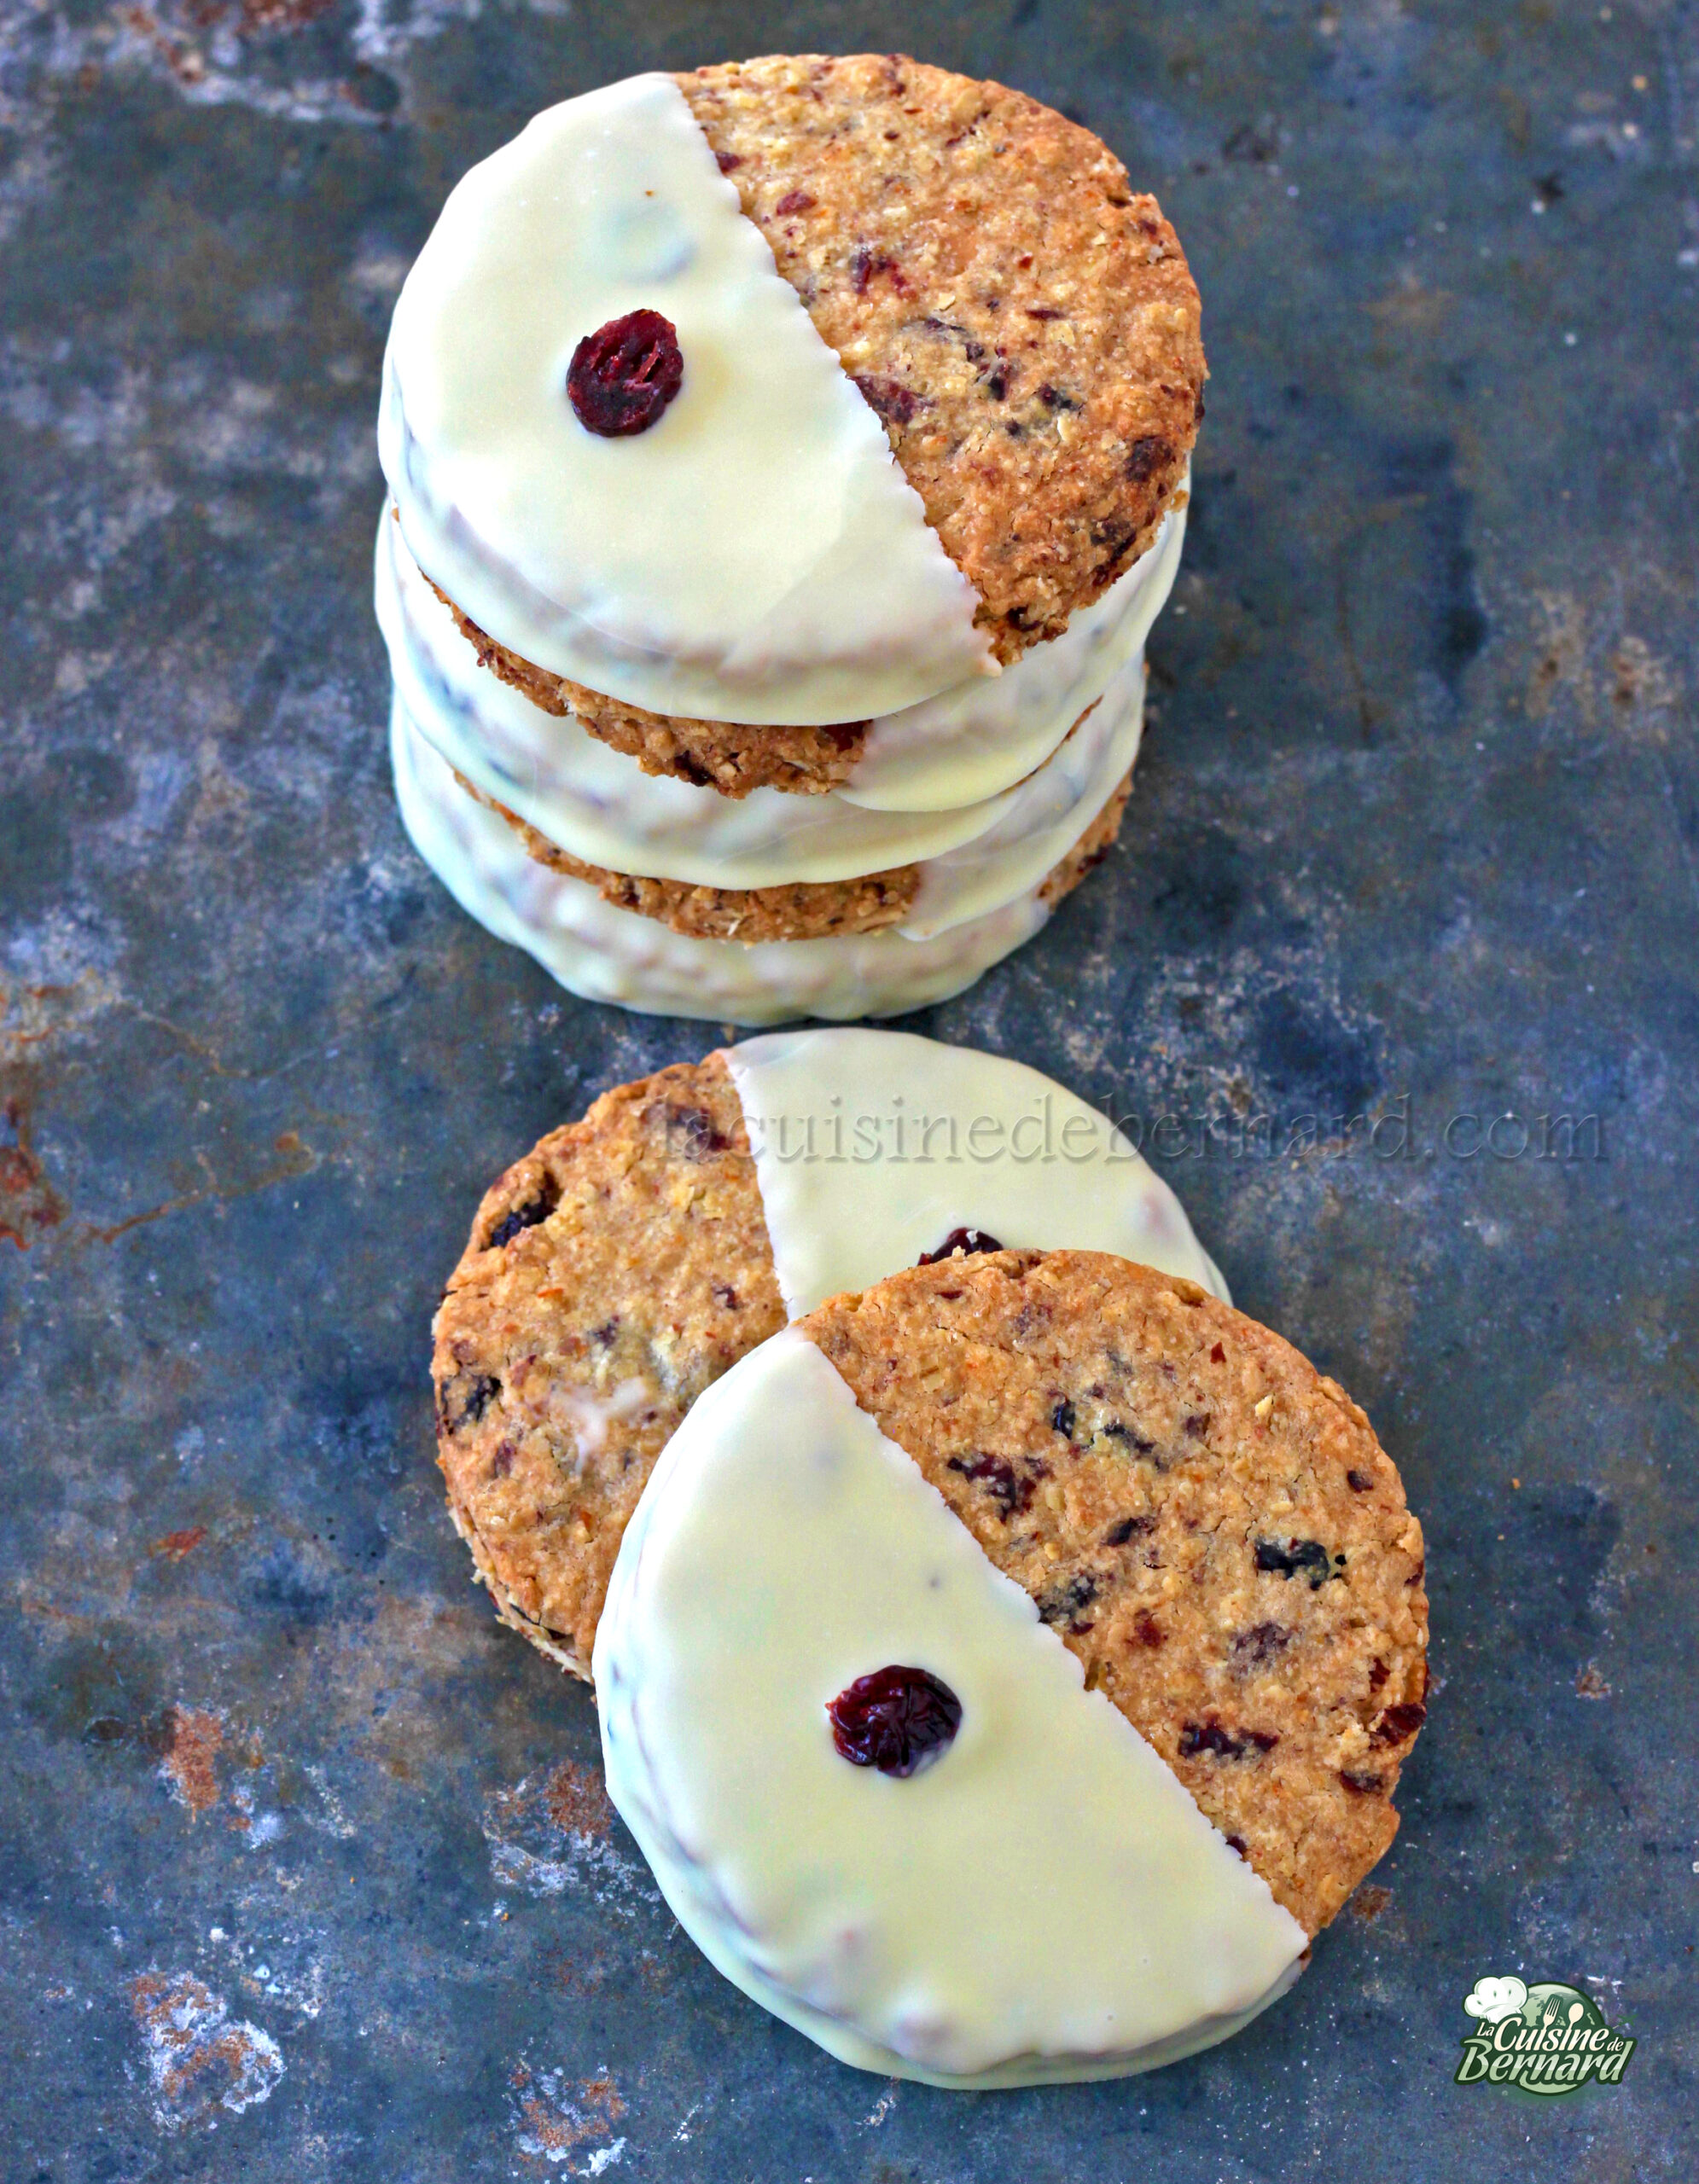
870 1147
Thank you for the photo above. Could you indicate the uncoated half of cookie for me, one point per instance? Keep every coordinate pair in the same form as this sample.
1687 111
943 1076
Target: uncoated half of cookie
611 1275
1205 1520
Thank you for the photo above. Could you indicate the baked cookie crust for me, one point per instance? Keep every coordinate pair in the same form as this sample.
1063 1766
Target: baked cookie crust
611 1275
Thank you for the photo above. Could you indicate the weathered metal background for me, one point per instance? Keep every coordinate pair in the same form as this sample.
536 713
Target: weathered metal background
307 1868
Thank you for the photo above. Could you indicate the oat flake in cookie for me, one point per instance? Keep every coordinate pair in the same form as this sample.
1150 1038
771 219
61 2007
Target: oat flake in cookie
628 1260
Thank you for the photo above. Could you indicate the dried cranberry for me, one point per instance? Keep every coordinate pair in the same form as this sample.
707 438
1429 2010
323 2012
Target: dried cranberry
898 1720
892 401
967 1241
1308 1555
623 375
1208 1735
464 1400
1400 1721
1262 1641
1012 1493
1064 1602
521 1218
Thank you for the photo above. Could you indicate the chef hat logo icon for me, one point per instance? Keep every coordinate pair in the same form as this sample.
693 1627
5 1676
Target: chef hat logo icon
1494 2000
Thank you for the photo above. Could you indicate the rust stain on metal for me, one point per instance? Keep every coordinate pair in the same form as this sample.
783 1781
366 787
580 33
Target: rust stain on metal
175 1545
295 1159
197 1746
194 1738
282 14
551 2120
28 1202
577 1800
199 2061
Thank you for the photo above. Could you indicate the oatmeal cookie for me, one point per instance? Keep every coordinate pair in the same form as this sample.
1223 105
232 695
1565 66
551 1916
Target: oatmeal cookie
1206 1521
1022 320
707 753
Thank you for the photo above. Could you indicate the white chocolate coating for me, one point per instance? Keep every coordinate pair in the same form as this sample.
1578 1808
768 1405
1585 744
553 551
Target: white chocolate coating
598 805
982 737
872 1146
1037 823
608 954
1044 1901
756 555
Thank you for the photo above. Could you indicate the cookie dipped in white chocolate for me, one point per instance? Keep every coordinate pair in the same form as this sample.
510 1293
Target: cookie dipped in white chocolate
599 805
1043 1901
604 953
872 1148
756 555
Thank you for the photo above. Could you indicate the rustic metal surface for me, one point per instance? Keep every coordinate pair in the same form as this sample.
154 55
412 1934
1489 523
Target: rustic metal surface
306 1868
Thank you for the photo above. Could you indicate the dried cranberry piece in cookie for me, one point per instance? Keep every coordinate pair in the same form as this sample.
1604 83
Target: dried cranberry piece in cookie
898 1720
622 376
965 1241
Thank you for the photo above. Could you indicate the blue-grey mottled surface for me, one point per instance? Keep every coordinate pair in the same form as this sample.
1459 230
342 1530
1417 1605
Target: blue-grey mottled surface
306 1872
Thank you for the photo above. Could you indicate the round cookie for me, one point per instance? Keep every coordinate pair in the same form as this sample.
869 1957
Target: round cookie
875 1789
1023 322
607 954
1206 1522
630 1258
709 753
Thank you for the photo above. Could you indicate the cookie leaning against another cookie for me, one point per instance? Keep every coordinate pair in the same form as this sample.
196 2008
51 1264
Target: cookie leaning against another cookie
612 1274
1206 1521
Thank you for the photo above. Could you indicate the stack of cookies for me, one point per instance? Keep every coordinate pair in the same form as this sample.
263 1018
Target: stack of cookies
787 461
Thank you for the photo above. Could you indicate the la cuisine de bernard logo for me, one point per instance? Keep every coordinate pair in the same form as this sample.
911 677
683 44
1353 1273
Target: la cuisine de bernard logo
1545 2039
